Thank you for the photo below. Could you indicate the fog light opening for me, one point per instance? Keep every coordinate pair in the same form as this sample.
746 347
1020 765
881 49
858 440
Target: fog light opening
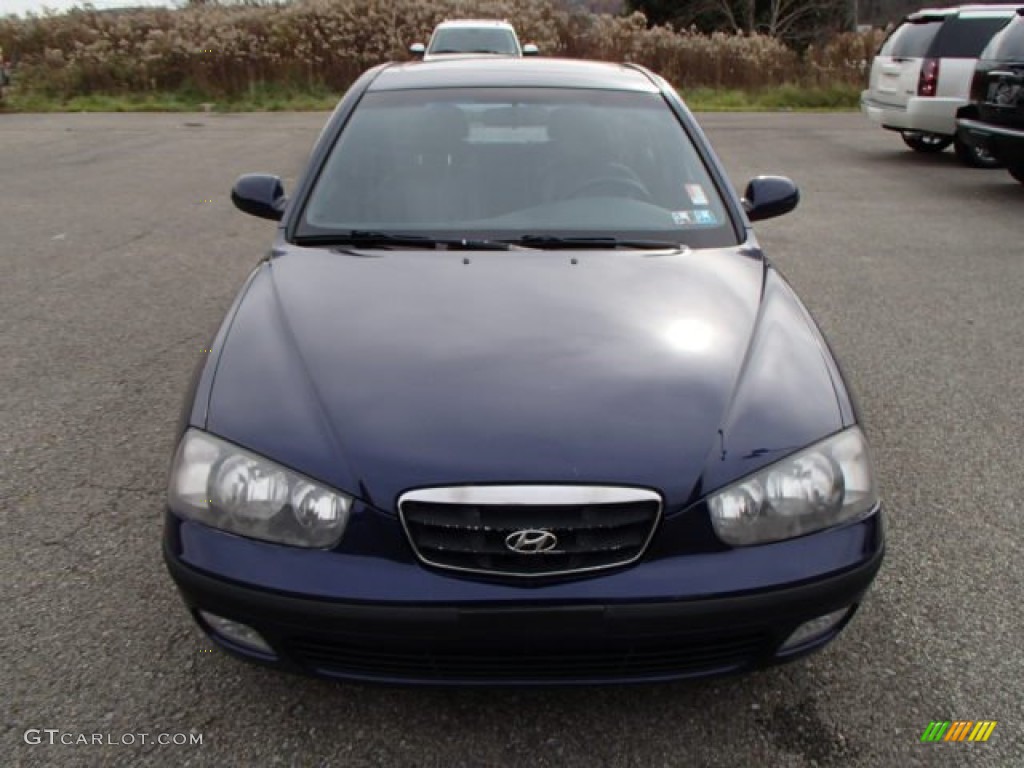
236 633
815 629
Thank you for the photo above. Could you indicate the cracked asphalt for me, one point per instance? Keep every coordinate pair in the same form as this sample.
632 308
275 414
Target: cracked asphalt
114 273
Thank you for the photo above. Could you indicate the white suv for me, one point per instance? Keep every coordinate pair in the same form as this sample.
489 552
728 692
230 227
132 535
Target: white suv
473 37
923 72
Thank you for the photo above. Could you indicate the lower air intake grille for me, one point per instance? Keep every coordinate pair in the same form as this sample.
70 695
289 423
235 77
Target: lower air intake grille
682 658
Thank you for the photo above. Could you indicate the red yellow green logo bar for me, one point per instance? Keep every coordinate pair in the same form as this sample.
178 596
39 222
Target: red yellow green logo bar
958 730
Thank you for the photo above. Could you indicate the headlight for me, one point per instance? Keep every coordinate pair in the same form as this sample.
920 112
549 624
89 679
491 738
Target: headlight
226 487
822 486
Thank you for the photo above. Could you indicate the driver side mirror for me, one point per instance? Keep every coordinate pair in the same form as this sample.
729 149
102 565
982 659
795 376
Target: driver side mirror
770 196
417 49
259 194
530 50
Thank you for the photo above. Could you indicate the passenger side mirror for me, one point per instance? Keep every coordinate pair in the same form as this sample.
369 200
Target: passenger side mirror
770 196
530 50
417 49
260 194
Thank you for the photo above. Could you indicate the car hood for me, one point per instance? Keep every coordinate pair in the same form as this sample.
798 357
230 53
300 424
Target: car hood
402 369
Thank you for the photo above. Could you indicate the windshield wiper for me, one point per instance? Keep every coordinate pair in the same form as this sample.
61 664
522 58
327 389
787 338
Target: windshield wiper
367 239
552 241
359 238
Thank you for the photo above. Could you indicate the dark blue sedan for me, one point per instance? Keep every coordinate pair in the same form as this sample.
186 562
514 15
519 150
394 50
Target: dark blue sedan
516 398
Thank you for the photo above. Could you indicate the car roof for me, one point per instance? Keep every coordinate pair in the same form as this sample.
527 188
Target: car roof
511 72
473 23
987 10
976 9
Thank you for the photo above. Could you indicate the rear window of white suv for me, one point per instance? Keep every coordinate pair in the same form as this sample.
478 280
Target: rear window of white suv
910 40
961 38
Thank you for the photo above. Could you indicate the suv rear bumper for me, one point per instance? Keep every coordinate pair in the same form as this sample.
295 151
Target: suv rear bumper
926 115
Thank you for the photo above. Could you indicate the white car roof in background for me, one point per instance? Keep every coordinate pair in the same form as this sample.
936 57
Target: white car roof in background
988 10
474 23
974 10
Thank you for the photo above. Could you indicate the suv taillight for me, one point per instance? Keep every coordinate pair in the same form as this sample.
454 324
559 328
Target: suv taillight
928 82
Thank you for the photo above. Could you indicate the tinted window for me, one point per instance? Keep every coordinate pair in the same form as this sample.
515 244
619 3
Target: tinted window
965 38
1008 46
473 40
911 39
508 162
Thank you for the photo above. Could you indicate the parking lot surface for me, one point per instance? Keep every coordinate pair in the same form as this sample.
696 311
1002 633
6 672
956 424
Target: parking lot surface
120 252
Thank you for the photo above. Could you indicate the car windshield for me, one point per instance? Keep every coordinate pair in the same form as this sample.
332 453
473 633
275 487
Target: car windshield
508 163
474 40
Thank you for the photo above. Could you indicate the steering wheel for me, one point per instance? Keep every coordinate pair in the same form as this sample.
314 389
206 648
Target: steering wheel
622 182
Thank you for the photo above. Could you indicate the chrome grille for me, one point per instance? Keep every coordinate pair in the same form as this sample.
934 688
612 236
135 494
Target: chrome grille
529 530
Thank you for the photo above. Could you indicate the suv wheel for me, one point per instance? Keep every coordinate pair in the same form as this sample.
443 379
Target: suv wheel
1017 171
926 142
975 157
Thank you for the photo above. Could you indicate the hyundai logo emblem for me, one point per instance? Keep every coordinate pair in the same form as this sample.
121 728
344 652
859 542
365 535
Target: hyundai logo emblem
531 541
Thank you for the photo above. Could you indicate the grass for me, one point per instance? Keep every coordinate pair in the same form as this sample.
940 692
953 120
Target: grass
262 100
795 98
279 99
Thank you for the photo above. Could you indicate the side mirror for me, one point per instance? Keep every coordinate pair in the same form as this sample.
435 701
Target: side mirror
530 50
417 49
770 196
259 194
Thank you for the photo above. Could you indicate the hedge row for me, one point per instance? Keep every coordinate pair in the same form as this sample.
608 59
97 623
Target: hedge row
224 51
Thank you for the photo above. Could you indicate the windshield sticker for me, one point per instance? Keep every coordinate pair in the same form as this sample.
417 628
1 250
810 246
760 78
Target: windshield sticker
698 217
696 193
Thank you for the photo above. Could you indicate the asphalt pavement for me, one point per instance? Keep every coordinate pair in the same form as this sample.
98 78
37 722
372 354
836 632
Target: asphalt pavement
119 253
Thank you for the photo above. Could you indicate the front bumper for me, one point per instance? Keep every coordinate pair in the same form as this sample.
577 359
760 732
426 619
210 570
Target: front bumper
1005 144
923 115
542 637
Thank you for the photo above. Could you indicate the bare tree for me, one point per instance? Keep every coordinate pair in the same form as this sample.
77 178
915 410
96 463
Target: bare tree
739 14
783 17
792 20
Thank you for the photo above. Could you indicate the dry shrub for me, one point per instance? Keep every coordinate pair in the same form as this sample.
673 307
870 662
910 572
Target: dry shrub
223 51
845 59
